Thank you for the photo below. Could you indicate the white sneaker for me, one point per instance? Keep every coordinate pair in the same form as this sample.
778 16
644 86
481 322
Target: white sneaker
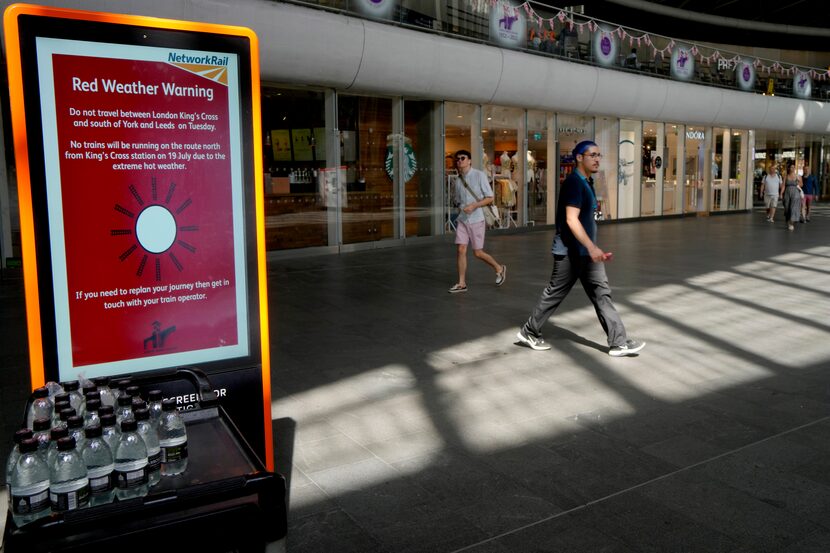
631 347
532 341
501 276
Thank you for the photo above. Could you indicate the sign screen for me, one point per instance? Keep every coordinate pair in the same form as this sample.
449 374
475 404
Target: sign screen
143 191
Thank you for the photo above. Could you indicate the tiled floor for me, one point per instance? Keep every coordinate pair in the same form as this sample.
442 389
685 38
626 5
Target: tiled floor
407 419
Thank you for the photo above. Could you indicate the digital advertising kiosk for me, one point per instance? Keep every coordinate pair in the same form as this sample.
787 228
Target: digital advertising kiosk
141 209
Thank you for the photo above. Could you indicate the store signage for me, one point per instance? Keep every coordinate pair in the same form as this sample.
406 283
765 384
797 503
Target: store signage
381 9
760 155
605 46
572 130
695 135
802 84
410 163
507 25
682 63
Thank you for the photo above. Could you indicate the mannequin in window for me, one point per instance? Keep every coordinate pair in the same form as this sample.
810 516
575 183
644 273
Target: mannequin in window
505 164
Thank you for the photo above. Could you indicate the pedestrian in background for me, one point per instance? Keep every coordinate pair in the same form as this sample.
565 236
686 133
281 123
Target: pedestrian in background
810 189
792 197
472 192
772 188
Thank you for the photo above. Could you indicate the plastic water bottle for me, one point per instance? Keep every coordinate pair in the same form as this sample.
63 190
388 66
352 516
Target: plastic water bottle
14 455
154 397
75 424
29 483
107 395
100 466
73 388
172 439
60 405
110 431
151 440
41 406
131 462
91 417
124 408
134 391
40 432
68 482
121 387
56 434
65 414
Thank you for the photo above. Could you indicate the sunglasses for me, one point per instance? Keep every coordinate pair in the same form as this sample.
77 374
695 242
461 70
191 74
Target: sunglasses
461 158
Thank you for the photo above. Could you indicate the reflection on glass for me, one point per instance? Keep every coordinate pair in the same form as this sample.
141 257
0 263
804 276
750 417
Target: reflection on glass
504 163
366 129
294 152
459 121
418 168
537 167
695 157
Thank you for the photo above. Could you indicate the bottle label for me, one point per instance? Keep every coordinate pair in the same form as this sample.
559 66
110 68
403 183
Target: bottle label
154 461
30 499
173 453
131 475
70 495
100 479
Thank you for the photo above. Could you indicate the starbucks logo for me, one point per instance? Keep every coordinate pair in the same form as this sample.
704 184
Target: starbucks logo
410 163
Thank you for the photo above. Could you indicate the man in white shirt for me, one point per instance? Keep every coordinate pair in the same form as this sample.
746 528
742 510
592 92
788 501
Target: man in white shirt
772 187
472 193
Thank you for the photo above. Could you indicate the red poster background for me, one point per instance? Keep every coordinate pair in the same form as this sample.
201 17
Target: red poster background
96 258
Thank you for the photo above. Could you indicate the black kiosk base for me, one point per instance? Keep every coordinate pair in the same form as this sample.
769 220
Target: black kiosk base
225 501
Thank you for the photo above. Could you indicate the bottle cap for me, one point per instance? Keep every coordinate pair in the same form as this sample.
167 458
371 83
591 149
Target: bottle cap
94 394
58 432
66 413
106 410
63 396
93 405
65 444
168 405
41 392
154 395
129 425
75 422
101 381
139 403
141 414
94 431
108 419
89 388
133 391
22 434
124 401
39 425
124 383
70 385
28 445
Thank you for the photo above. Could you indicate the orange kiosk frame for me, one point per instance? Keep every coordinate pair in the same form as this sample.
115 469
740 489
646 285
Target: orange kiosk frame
137 147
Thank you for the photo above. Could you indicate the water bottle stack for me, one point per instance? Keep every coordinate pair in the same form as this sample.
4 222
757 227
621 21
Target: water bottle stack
90 449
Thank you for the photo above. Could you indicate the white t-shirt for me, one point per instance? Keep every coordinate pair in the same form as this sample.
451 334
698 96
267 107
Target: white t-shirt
772 184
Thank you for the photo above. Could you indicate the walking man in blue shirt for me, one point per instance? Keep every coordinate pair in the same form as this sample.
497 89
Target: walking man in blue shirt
577 257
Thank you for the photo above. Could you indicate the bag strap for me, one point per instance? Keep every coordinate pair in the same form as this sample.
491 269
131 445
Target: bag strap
467 186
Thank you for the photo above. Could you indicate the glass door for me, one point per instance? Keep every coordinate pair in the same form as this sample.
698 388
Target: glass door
695 159
366 138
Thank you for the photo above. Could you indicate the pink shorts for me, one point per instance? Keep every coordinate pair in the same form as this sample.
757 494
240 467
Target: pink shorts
470 233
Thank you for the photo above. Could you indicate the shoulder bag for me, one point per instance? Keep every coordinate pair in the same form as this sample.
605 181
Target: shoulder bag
491 212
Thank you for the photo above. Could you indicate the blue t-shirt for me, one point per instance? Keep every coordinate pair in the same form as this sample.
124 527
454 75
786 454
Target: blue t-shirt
810 187
576 191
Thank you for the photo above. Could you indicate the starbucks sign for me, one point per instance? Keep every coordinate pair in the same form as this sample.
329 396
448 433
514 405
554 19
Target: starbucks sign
410 163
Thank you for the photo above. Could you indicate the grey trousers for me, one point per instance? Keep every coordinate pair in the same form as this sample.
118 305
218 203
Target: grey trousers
566 271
